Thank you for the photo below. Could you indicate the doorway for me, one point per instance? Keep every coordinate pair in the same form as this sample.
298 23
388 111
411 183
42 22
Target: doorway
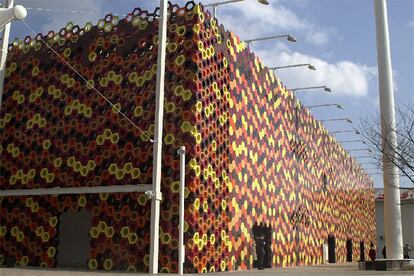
362 251
349 250
331 249
74 247
259 230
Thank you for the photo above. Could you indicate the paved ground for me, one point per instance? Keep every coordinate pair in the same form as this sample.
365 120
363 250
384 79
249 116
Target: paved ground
321 270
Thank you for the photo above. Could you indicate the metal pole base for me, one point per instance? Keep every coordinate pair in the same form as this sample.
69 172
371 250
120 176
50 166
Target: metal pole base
387 264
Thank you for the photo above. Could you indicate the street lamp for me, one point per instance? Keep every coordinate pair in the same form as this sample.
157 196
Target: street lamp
310 66
11 13
367 169
155 194
287 36
7 15
324 87
353 141
323 105
360 150
216 4
337 119
346 131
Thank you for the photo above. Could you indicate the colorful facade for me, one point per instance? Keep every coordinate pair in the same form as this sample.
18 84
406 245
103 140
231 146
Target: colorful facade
255 155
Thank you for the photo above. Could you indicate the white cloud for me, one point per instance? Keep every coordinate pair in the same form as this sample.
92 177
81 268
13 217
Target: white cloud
248 19
318 38
257 19
343 77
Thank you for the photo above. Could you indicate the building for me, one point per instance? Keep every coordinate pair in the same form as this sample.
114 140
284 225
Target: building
407 219
258 162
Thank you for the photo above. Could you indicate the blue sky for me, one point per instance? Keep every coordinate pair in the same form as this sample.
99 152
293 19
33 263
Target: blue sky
338 37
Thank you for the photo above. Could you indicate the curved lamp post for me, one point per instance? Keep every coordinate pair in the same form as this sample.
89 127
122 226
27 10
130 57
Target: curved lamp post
324 87
326 105
288 37
353 141
360 150
11 13
308 65
155 195
337 119
7 15
346 131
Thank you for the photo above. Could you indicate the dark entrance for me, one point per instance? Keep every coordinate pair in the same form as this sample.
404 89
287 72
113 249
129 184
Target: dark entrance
362 251
349 250
73 248
331 249
259 230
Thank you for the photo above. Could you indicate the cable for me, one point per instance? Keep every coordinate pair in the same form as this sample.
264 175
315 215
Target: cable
88 83
55 10
69 11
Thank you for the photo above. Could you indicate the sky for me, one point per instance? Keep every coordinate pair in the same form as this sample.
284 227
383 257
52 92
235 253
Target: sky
337 37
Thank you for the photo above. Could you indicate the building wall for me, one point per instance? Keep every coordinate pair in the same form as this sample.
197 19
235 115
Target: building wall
407 218
407 221
57 131
252 156
278 158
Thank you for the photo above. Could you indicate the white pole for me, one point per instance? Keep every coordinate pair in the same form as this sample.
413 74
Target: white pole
4 48
181 247
157 158
392 211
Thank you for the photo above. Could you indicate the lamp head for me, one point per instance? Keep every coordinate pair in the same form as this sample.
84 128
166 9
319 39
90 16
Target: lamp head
327 89
311 67
339 106
20 12
291 38
357 132
9 14
349 121
264 2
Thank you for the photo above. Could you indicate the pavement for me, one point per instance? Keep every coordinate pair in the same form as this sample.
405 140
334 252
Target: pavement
345 269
